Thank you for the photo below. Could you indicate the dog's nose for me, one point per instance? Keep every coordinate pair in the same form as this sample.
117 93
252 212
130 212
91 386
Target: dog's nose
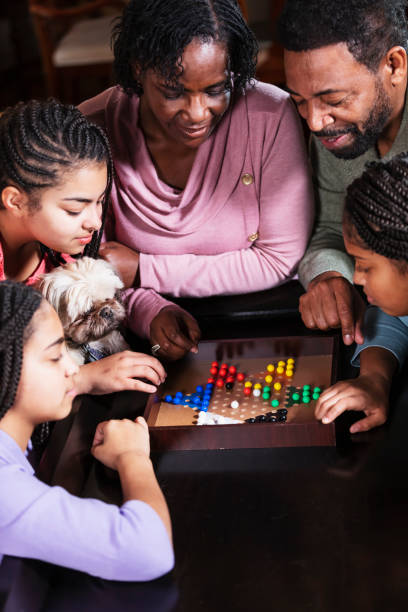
106 313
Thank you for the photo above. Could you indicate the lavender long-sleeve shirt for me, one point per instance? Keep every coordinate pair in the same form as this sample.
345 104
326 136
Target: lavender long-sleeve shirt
242 222
47 523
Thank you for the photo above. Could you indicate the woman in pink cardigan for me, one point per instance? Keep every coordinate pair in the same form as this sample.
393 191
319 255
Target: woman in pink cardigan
212 193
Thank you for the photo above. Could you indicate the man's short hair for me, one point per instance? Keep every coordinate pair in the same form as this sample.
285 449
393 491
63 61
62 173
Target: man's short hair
369 27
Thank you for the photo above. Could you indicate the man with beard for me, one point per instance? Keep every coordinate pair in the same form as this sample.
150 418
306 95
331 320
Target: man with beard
346 70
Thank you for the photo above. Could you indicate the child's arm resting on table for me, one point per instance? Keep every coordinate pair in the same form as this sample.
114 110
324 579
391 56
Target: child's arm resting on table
385 348
130 542
123 445
368 392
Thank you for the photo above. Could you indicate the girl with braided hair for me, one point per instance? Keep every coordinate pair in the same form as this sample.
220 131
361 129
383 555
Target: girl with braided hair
375 229
211 194
55 181
38 383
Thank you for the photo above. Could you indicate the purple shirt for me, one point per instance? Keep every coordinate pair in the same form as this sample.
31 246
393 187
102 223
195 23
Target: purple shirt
48 523
242 222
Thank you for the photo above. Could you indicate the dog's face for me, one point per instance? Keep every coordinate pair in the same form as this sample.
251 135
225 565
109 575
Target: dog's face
85 295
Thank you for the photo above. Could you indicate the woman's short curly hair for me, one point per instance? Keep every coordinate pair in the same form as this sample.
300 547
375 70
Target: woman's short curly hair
153 34
369 27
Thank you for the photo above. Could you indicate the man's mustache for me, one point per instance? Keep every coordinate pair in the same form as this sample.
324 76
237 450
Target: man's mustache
335 133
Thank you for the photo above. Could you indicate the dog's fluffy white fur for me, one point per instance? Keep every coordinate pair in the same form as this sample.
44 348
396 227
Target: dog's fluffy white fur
85 294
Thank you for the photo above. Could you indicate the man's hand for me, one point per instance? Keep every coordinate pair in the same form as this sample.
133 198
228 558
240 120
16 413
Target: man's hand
123 259
120 372
366 393
175 331
331 302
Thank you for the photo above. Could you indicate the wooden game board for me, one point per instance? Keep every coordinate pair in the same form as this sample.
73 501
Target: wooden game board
174 427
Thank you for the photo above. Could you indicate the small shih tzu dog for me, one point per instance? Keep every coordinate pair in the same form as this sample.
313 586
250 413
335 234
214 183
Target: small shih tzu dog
85 294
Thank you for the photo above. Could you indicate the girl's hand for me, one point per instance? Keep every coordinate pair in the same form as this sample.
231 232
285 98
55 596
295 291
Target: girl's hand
116 438
121 372
123 259
175 331
366 393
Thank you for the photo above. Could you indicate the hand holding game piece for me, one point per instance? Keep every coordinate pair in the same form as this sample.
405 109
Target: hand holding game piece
364 393
123 259
120 372
116 438
175 331
332 302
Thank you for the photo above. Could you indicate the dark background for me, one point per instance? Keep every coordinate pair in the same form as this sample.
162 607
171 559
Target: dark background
21 74
20 64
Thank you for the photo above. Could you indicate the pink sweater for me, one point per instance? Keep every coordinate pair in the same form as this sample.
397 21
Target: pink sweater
242 222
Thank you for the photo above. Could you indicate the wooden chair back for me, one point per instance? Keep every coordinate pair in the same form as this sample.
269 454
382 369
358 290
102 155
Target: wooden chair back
55 19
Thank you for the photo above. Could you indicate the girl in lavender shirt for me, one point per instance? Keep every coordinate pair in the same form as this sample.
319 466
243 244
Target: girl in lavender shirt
37 384
212 193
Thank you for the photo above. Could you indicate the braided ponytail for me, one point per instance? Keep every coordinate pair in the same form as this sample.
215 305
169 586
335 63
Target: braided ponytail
18 303
376 208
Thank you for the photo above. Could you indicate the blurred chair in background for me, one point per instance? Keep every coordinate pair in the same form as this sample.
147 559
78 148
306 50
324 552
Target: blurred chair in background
270 67
74 39
270 58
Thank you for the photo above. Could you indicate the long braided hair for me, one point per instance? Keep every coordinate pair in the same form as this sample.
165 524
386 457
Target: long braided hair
18 303
41 139
376 209
153 34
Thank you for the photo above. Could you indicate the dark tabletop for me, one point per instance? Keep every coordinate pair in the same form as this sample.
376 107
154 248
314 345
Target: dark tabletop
319 529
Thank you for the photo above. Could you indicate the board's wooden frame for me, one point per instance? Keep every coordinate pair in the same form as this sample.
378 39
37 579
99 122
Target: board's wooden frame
259 435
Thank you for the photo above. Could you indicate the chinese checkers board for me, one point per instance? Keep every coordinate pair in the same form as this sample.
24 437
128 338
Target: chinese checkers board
251 393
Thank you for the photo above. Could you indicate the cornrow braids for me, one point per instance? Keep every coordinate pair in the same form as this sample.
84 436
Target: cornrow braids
377 208
41 139
18 303
153 34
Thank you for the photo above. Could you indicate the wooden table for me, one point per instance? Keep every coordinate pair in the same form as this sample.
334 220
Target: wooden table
286 529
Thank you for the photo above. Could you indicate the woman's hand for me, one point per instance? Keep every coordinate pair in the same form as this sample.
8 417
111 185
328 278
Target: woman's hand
123 259
365 393
120 372
175 331
116 438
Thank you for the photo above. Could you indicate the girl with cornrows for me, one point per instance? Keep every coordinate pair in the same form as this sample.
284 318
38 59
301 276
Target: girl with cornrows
37 384
211 194
375 229
55 181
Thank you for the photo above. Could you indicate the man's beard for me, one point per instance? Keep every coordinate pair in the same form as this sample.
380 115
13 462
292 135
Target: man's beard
371 131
